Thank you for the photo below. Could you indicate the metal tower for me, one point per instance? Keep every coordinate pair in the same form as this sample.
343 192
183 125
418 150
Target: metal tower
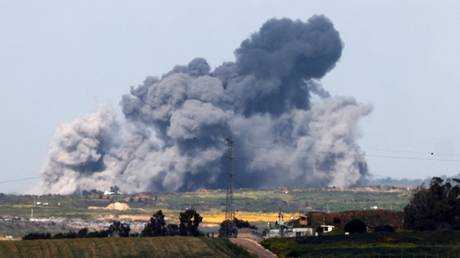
229 209
228 228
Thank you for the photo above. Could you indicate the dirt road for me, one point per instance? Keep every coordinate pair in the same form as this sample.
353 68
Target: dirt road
253 247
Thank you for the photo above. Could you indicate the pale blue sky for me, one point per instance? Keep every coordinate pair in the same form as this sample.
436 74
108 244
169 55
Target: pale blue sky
60 59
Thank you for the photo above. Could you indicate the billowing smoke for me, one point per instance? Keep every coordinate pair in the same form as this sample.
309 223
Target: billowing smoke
173 133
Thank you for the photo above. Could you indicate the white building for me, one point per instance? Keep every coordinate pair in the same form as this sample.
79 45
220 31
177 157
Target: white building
282 230
289 232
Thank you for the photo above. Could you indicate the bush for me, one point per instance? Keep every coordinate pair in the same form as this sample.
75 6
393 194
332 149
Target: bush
36 236
228 229
243 224
98 234
118 229
355 226
172 230
337 221
66 235
384 229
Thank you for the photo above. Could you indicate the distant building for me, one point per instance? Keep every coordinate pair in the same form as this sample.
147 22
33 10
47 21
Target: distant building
282 229
114 190
289 232
106 192
326 228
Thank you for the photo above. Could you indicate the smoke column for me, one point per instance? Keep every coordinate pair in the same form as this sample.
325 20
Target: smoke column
172 135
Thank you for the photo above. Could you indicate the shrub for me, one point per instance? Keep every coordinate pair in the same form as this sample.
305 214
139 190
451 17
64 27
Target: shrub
65 235
355 226
98 234
228 229
337 221
172 230
384 229
243 224
118 229
36 236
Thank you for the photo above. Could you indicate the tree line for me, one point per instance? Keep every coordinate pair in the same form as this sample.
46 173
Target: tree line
189 222
436 207
432 207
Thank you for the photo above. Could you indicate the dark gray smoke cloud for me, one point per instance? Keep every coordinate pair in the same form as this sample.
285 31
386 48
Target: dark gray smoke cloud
172 136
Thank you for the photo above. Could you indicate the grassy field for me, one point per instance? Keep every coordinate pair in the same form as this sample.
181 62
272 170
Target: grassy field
401 244
256 206
248 200
122 247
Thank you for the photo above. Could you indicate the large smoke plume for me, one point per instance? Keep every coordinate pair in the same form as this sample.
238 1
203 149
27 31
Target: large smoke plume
174 130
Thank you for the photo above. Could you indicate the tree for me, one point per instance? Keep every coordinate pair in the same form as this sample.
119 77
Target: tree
228 229
355 226
437 207
118 229
156 225
189 222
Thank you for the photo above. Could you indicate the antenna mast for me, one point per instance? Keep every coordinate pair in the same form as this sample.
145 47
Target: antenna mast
229 210
228 228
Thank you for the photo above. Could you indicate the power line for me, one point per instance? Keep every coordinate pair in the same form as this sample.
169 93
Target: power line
258 146
431 153
19 180
388 157
383 157
366 154
409 158
400 151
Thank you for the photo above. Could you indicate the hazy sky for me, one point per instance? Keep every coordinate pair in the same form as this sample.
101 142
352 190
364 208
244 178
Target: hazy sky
59 60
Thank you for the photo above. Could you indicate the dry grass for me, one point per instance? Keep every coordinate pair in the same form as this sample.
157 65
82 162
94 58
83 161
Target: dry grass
218 217
209 217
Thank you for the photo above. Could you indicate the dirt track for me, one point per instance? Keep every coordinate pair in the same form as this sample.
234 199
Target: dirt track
253 247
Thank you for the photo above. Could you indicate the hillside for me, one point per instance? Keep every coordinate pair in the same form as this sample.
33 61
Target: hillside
122 247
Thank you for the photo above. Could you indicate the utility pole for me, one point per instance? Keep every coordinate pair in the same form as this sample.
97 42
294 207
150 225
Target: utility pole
281 222
32 208
229 210
228 228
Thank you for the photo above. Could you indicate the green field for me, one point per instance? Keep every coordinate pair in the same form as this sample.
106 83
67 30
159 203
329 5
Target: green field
122 247
206 202
245 200
402 244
